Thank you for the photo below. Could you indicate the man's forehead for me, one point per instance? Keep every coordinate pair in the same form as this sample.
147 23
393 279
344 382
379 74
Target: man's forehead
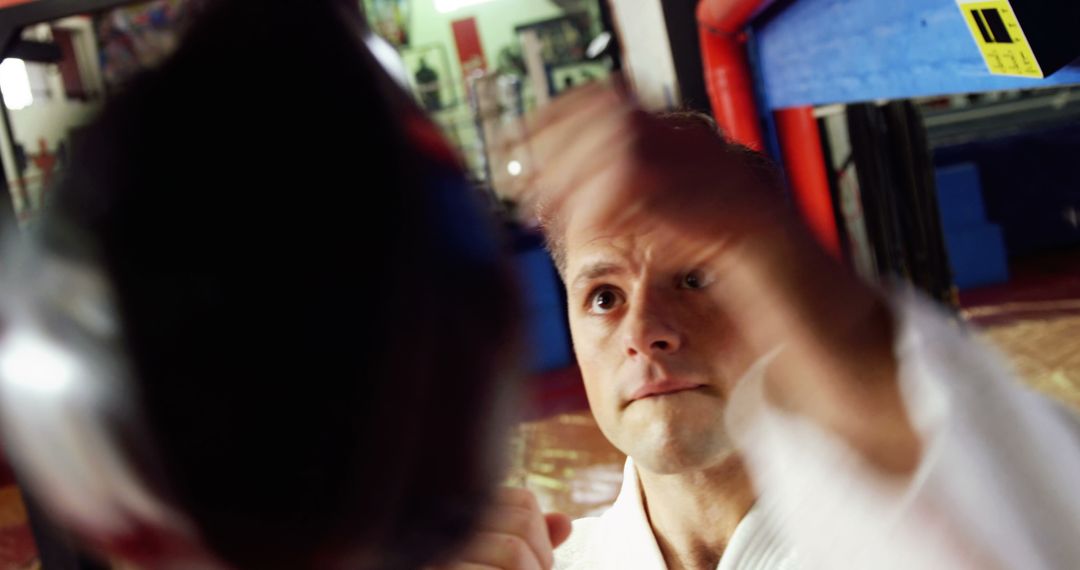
588 249
631 242
606 254
656 247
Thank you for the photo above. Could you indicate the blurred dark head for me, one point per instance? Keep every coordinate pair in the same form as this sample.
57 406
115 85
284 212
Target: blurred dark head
315 317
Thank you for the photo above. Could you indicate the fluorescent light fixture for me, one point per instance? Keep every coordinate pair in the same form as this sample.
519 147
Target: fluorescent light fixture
15 83
444 6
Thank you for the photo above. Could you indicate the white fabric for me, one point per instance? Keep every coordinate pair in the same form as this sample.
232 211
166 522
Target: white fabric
622 538
998 485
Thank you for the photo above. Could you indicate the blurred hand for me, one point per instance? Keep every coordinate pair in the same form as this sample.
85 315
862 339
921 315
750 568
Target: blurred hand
595 155
514 535
603 167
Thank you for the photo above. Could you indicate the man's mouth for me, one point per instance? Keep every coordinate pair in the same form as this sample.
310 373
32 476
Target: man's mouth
663 387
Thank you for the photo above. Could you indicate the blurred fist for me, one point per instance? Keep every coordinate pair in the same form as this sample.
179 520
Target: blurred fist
513 535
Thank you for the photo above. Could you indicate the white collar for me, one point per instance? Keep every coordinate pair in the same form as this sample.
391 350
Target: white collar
627 540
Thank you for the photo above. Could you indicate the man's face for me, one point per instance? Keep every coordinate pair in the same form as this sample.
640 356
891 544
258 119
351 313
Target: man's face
656 351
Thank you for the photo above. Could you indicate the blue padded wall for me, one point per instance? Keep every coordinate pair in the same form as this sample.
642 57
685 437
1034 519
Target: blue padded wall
975 245
1030 185
547 339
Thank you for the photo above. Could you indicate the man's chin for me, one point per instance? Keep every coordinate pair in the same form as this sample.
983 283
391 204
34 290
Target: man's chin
676 463
671 451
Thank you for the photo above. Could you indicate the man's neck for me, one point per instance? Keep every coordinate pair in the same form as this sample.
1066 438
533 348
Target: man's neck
693 515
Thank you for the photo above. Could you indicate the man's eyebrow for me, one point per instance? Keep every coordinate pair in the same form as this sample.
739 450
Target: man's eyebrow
595 271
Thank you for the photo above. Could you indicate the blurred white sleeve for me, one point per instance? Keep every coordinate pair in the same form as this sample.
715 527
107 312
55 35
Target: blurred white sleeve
998 485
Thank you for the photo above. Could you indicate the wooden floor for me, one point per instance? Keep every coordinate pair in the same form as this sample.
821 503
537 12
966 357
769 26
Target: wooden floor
16 543
1034 319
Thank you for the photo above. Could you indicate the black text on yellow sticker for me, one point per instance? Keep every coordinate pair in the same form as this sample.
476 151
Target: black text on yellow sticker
1000 38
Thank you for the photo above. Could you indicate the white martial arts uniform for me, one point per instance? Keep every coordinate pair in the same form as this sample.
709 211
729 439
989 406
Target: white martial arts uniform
622 538
998 485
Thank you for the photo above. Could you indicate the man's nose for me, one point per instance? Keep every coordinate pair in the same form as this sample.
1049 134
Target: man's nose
649 330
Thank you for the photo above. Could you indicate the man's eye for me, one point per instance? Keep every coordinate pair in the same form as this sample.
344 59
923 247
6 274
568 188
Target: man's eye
604 300
696 279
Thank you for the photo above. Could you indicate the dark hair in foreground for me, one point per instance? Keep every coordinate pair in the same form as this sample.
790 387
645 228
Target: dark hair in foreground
317 353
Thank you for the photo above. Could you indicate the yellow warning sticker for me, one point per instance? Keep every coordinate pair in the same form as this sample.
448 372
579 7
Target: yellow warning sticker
1000 39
